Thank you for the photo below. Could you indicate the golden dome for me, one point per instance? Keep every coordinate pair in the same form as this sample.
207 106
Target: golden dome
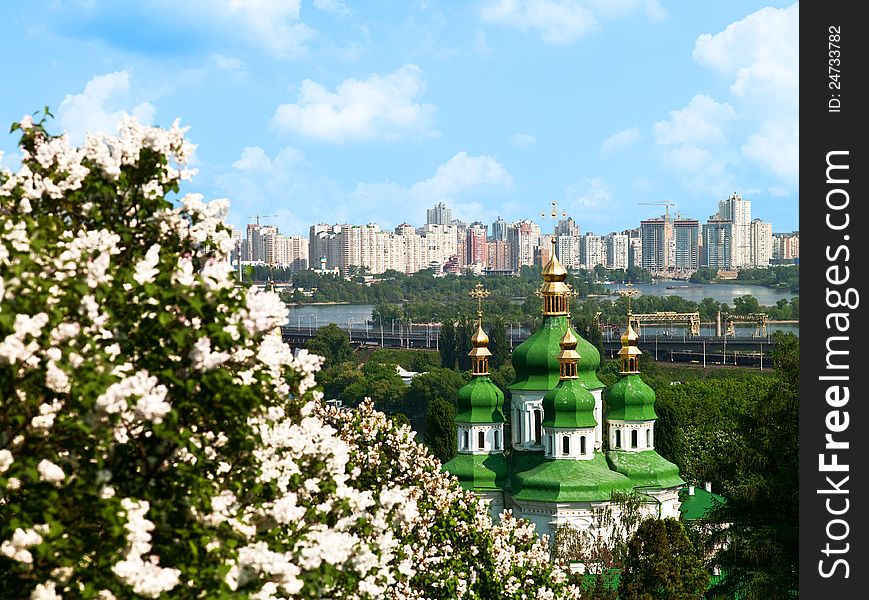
480 339
568 345
554 270
568 340
629 337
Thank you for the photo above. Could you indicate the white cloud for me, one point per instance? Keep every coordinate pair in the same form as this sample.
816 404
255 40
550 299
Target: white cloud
564 21
621 140
694 142
590 203
99 107
703 121
273 23
759 53
228 63
171 25
557 22
776 149
460 174
380 107
523 140
285 185
337 7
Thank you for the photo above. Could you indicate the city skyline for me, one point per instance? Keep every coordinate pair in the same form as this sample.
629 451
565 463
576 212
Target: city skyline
346 112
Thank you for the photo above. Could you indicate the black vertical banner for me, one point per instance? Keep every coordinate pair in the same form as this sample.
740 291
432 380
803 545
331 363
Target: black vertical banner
834 447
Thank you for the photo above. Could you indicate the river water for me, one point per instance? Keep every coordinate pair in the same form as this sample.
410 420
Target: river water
355 316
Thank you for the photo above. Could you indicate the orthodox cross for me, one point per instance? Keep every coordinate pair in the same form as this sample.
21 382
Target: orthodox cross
553 212
478 294
628 292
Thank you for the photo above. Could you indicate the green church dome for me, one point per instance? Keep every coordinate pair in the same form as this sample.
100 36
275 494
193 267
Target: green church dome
569 404
548 480
536 359
480 401
630 399
478 472
646 469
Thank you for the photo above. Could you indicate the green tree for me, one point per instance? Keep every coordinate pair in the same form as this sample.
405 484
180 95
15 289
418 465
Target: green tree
447 344
440 429
467 327
662 563
759 555
498 343
427 387
332 343
747 304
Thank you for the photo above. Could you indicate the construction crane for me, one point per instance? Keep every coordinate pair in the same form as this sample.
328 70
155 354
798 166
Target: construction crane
258 217
666 203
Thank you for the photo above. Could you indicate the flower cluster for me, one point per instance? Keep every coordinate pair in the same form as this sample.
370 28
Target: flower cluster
158 438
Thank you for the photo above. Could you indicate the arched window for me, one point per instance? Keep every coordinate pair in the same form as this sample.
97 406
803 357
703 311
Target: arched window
549 438
632 364
618 438
497 440
481 440
582 445
633 438
466 441
565 445
648 438
538 426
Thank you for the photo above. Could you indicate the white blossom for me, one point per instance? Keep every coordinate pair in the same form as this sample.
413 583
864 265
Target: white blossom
146 269
50 472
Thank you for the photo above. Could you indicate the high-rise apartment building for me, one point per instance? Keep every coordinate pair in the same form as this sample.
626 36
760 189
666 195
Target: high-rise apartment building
738 211
567 227
786 246
591 251
617 254
761 243
655 235
439 215
567 248
717 244
499 229
476 250
500 256
524 237
686 245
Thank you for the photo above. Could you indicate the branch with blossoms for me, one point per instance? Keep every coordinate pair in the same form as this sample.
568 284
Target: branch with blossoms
157 437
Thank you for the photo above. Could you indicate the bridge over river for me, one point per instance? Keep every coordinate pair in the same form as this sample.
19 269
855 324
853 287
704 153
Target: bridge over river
740 350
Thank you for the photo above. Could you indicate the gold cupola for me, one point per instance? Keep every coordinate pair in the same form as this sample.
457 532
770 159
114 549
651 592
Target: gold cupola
568 358
479 341
554 291
629 353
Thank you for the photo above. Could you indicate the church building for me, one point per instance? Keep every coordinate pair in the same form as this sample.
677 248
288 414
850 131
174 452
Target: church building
575 447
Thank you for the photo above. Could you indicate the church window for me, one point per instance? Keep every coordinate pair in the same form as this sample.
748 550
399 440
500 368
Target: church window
618 438
648 438
565 445
549 438
481 440
538 427
582 445
466 441
497 440
634 438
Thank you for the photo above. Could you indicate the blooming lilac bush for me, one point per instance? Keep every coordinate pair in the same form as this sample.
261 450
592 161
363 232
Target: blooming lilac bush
158 439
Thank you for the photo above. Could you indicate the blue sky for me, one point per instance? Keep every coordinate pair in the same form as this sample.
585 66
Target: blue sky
351 111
